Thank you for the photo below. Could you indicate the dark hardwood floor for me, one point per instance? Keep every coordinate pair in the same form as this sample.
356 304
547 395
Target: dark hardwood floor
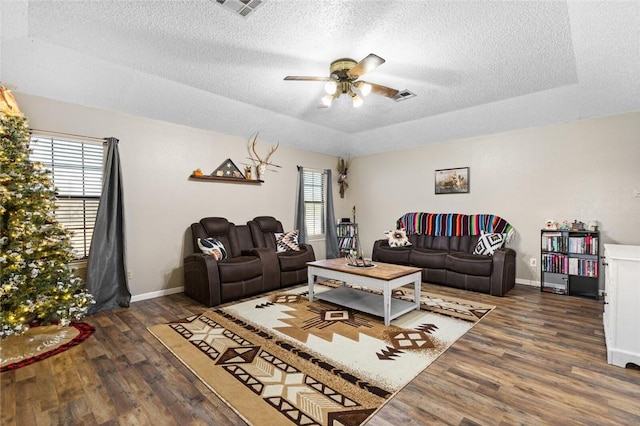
537 359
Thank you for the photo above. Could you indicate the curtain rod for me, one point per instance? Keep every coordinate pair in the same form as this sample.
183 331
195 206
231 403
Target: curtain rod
69 135
311 168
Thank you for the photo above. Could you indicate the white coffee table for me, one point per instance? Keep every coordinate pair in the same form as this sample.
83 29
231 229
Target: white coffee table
384 276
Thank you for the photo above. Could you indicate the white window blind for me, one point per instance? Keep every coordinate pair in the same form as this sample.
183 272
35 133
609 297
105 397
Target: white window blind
314 207
76 171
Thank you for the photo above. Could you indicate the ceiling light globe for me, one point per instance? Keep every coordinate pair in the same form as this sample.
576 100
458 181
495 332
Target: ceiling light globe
331 87
365 88
327 100
357 100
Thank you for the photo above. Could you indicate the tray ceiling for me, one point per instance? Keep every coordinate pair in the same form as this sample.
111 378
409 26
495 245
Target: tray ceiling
476 67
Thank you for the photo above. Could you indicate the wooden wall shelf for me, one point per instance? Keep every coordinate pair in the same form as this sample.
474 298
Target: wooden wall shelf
226 179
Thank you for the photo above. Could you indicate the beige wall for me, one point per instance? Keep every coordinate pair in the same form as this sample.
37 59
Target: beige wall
160 201
581 170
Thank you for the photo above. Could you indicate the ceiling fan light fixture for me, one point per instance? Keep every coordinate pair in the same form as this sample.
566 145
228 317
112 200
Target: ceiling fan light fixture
327 100
357 100
331 87
343 80
364 88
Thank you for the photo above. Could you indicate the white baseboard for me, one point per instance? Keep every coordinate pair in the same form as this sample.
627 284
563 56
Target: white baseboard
155 294
174 290
531 283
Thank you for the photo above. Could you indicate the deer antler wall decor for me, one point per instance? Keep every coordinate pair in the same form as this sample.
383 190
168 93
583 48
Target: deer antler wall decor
261 164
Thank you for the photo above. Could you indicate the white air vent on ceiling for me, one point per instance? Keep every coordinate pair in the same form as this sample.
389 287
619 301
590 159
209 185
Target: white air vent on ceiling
403 95
241 7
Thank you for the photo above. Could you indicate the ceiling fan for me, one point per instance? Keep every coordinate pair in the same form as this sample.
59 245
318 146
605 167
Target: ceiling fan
343 79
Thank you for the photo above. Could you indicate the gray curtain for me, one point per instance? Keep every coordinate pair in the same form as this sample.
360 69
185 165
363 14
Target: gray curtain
331 234
301 224
106 270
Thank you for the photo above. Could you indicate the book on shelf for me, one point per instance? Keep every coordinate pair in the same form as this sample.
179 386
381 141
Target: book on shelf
553 262
587 244
347 229
583 267
554 241
347 242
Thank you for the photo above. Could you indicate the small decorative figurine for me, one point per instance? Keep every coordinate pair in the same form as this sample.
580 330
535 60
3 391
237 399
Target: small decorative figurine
564 226
551 224
577 226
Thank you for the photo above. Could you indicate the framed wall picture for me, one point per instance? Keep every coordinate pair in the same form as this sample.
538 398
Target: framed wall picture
452 181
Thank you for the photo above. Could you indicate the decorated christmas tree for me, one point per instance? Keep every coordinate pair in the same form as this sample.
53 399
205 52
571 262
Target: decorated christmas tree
36 283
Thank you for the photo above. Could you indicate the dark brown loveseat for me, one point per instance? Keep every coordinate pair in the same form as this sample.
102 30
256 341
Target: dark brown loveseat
443 246
292 264
250 268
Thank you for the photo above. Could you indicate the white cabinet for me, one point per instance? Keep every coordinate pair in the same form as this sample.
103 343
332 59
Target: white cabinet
621 315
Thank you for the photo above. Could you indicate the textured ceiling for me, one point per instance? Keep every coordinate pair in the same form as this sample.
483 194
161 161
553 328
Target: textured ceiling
476 67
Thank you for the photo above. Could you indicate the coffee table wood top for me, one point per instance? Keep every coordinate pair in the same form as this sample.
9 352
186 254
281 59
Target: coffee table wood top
383 271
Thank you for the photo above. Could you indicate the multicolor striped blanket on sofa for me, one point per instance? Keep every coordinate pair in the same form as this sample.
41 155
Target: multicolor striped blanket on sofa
454 224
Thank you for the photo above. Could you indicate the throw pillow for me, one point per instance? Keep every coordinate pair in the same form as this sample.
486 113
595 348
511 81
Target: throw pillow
489 243
287 241
398 238
212 247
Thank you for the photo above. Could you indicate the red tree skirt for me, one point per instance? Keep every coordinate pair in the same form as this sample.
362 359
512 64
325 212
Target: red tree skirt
41 346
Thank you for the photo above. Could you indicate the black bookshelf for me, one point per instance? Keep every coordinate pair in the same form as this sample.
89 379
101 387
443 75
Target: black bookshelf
569 262
348 239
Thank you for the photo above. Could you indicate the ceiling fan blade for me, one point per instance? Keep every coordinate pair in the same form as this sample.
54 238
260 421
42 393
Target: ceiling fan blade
303 78
367 64
382 90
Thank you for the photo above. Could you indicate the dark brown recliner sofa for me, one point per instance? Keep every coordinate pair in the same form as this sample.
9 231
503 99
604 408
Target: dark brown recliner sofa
246 271
292 264
449 260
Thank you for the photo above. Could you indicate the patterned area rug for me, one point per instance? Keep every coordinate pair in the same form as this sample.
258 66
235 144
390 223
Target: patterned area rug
280 360
39 343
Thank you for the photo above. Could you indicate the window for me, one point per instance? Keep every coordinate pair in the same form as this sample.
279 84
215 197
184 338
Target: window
314 208
76 171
